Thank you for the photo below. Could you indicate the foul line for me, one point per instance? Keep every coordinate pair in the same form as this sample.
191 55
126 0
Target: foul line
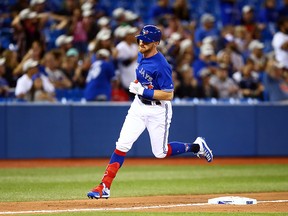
122 209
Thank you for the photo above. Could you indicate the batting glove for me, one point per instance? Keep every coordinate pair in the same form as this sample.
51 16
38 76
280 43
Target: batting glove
136 88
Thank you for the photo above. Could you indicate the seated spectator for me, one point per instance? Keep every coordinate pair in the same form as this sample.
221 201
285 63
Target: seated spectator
24 84
226 87
258 56
242 39
249 21
188 87
207 60
70 65
38 91
11 63
4 86
275 85
250 87
52 63
206 28
64 43
101 74
207 90
250 65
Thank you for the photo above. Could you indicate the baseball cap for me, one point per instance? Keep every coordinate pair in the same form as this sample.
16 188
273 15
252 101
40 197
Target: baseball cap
63 39
104 34
27 14
118 12
207 18
103 52
87 13
30 63
103 21
255 44
34 2
72 52
2 61
247 8
207 49
86 6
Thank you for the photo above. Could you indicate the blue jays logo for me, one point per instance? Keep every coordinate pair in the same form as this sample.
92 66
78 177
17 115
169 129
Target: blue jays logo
145 32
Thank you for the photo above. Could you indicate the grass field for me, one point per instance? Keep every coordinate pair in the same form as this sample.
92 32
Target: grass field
38 184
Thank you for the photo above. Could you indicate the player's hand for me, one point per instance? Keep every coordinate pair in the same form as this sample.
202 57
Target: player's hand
136 88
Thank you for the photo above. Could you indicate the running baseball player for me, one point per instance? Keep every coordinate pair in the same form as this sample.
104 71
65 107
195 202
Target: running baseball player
150 109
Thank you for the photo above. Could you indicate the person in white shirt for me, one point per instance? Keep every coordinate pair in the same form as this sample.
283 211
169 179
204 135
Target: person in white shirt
24 84
127 53
280 42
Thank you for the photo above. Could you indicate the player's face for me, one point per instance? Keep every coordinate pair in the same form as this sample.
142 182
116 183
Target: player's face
146 48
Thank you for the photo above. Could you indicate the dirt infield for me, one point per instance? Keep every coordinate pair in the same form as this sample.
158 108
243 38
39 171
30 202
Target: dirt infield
267 202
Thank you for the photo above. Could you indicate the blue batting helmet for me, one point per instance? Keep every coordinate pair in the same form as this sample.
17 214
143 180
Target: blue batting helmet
149 34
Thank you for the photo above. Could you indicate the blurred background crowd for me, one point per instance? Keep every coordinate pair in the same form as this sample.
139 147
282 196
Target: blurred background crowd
85 50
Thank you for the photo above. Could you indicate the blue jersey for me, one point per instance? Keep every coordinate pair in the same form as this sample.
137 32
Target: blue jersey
155 72
98 81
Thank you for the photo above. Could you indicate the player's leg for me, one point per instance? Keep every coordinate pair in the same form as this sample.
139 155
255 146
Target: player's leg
158 127
132 128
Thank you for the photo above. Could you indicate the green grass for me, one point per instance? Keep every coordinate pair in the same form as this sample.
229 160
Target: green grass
31 184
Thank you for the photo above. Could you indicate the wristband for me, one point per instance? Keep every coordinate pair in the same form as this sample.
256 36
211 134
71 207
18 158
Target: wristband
148 94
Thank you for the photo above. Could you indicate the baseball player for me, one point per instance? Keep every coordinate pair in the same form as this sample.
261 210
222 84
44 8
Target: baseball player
151 109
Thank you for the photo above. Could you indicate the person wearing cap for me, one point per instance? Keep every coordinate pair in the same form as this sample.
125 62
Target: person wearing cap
226 87
151 109
207 59
27 30
257 55
250 22
206 28
24 84
52 67
127 53
100 77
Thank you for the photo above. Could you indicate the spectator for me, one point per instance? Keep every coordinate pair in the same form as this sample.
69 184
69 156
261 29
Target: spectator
127 54
258 56
52 63
27 30
280 42
250 87
24 84
207 60
11 63
225 86
188 87
38 91
207 90
207 28
248 20
98 82
242 39
4 86
275 85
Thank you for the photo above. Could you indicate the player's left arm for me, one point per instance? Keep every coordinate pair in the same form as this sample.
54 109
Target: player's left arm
163 95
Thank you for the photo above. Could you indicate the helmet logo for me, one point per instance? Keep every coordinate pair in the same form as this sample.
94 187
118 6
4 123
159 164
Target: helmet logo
145 32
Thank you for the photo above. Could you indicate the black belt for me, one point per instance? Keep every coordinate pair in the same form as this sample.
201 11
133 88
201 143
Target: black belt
148 102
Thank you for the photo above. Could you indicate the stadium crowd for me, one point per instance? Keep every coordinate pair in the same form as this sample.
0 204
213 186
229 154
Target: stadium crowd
85 50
